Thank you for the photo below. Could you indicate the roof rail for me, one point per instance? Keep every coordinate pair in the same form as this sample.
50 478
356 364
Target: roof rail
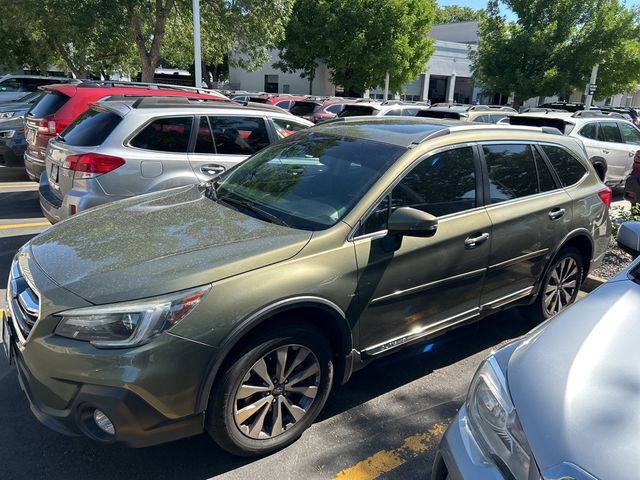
596 114
150 86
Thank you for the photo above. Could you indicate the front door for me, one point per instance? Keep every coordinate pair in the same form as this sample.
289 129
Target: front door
530 214
425 284
615 152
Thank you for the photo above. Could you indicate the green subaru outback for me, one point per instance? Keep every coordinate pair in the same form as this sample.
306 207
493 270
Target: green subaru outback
234 307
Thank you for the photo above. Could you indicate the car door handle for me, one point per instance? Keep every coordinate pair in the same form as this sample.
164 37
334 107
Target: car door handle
556 213
212 170
476 241
606 152
632 154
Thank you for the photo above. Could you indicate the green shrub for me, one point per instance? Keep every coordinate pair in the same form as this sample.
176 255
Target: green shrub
620 215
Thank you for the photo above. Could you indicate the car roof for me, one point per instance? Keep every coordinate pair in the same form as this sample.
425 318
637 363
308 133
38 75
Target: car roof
148 104
38 77
408 131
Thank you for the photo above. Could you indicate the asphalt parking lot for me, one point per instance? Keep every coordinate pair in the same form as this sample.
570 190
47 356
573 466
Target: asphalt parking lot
385 423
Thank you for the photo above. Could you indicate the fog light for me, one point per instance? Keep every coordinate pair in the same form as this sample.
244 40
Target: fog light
103 422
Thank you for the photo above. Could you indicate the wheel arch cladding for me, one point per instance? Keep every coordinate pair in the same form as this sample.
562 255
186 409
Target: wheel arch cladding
583 244
322 315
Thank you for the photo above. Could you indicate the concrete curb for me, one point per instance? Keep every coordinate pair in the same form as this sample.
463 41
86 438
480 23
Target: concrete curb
591 283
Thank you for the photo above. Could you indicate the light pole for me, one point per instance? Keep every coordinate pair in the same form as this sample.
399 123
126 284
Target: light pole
197 51
592 81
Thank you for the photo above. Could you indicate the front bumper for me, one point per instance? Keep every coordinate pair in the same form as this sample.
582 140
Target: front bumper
459 457
149 393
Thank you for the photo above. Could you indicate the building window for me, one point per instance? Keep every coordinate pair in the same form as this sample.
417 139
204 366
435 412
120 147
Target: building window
271 83
286 88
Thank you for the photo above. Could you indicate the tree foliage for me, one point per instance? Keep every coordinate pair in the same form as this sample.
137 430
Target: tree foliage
361 40
455 14
248 28
552 46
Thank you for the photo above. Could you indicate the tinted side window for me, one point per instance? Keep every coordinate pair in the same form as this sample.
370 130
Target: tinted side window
204 142
609 132
568 168
442 184
377 219
482 119
284 128
512 171
589 131
545 179
394 112
48 104
284 104
630 134
334 108
165 135
90 129
11 85
409 112
239 135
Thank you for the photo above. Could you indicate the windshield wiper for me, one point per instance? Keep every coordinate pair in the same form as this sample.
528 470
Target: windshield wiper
255 209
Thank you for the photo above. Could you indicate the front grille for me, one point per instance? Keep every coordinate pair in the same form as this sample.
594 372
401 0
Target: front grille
24 301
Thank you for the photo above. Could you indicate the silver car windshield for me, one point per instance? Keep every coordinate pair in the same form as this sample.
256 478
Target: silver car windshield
311 181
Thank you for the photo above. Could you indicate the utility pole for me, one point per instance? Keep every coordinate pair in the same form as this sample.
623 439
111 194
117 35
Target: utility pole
197 49
592 81
386 87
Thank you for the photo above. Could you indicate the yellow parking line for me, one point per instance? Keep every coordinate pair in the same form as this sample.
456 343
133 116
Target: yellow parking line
386 460
24 225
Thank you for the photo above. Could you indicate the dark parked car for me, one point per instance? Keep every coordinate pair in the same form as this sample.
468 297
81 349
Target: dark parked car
235 305
12 140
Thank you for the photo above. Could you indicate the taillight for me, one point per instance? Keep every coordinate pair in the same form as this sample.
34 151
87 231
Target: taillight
92 163
49 126
606 195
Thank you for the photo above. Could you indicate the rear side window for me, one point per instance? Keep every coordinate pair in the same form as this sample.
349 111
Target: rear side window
284 128
394 112
335 109
568 168
512 171
303 108
590 130
239 135
165 135
284 104
356 111
49 104
630 134
11 85
609 132
545 179
90 129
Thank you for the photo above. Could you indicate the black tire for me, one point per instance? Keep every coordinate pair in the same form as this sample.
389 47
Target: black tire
221 414
538 311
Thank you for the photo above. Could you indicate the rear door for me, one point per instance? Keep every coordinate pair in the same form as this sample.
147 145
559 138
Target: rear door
530 214
614 151
223 141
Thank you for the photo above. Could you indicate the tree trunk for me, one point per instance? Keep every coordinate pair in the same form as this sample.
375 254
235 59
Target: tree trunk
149 57
208 79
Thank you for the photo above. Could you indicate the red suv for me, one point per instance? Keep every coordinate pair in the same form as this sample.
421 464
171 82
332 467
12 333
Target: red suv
319 110
62 104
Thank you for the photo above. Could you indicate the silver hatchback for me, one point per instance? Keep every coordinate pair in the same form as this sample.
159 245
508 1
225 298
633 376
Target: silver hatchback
126 147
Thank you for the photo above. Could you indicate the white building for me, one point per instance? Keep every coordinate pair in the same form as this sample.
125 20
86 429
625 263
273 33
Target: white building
446 77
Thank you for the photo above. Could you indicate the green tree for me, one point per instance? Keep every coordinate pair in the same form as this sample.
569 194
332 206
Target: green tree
92 40
304 39
552 46
455 14
361 40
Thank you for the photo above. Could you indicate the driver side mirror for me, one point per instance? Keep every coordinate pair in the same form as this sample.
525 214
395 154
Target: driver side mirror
629 238
410 222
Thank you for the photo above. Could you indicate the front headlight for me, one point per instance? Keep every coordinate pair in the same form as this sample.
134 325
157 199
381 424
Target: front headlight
7 114
125 325
495 424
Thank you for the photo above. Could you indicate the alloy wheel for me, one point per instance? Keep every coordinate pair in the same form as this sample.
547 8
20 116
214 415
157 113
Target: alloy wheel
561 286
277 392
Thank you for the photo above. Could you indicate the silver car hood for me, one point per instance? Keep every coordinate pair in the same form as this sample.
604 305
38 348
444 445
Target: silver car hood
575 383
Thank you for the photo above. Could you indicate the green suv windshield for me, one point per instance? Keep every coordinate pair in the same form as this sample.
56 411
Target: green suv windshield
309 182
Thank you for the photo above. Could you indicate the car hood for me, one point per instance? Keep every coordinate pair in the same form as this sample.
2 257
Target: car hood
158 243
575 383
